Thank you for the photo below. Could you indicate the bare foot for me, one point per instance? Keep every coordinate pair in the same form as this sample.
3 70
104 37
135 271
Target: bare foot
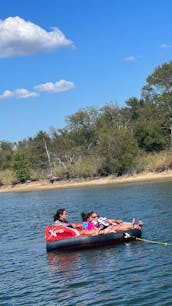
133 222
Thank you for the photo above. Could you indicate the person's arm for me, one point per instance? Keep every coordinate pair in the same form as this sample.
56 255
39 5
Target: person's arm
76 225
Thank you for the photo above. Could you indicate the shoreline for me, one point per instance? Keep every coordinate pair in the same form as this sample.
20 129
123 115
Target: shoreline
45 185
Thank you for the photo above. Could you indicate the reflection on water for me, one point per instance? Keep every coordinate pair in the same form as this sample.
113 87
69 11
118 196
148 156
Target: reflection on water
63 261
98 259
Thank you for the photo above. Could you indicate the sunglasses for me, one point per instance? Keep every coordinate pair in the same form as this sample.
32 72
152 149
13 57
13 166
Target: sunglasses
95 216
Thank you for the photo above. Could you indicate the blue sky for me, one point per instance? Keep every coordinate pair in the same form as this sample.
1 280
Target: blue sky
57 57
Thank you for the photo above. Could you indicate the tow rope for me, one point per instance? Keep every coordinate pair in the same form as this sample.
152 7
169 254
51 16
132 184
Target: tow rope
155 242
127 235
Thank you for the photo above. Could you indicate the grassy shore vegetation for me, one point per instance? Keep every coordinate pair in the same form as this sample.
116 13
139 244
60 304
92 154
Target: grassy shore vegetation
100 142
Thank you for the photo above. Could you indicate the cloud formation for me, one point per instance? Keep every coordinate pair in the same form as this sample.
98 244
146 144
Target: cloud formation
165 46
130 59
20 93
49 87
20 38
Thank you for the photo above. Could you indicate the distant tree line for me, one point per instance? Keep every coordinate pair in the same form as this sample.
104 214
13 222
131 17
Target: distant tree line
98 142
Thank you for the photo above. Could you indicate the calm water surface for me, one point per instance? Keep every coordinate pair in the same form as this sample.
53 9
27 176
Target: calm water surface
137 273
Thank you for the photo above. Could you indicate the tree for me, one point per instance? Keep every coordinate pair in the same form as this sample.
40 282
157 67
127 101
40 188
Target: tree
160 81
6 154
81 126
115 144
134 106
21 167
35 148
158 90
148 129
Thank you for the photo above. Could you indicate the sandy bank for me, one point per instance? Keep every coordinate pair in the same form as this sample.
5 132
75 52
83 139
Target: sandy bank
44 185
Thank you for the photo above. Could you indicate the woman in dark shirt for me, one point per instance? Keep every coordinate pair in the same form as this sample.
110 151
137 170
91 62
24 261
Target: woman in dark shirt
60 218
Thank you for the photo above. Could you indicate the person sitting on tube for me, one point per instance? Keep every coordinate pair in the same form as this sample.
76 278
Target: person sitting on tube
60 218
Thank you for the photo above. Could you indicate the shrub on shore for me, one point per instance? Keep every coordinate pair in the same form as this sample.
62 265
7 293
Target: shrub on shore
88 168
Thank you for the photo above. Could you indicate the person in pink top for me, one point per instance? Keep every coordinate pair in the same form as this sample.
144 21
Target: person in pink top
87 225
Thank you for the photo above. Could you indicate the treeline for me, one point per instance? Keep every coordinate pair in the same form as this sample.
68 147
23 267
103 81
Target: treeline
111 140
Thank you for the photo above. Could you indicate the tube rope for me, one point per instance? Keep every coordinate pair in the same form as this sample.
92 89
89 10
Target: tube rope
155 242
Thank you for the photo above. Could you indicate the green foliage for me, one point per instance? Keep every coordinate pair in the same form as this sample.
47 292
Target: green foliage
158 90
109 140
6 154
34 148
81 128
150 136
149 129
119 156
21 167
134 106
161 79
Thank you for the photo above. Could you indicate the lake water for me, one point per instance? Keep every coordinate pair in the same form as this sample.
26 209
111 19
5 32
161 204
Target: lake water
137 273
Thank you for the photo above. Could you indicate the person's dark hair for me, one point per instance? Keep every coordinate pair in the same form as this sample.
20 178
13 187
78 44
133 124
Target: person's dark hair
58 213
85 216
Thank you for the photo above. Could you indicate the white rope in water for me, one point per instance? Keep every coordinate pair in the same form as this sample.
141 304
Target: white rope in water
156 242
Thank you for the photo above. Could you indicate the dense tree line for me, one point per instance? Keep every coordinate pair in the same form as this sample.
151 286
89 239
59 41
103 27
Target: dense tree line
98 142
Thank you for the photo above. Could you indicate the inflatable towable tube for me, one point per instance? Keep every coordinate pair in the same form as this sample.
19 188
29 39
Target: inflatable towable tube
59 238
53 232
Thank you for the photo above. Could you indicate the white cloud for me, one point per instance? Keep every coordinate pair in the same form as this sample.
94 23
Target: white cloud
6 94
19 93
165 46
20 38
24 93
130 59
59 86
49 87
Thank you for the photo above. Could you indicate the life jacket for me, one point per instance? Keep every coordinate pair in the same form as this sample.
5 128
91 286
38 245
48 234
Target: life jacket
53 232
101 223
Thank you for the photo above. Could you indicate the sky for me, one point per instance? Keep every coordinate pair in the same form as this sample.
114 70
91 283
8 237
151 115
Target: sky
60 56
